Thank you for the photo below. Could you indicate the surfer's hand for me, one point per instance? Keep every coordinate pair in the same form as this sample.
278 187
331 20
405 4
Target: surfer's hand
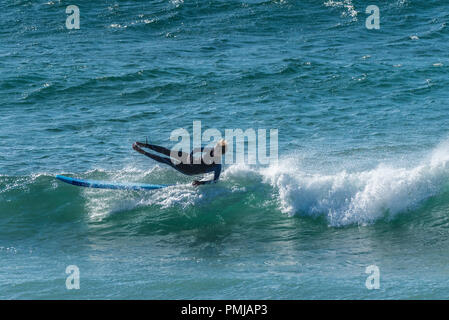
196 183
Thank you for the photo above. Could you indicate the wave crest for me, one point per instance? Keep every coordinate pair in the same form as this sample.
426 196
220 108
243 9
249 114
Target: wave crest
360 197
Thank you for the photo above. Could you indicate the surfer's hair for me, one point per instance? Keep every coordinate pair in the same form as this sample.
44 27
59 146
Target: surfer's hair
223 144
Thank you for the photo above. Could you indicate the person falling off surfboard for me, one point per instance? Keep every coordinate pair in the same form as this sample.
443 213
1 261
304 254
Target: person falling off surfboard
185 163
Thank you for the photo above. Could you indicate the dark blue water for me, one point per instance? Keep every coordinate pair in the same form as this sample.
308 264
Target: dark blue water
363 165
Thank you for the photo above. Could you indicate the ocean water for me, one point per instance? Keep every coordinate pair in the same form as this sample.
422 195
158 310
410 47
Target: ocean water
363 172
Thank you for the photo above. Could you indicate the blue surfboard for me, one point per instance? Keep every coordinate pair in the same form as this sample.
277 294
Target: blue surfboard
110 185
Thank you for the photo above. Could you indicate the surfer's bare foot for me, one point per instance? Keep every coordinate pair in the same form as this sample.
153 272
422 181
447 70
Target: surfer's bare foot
136 147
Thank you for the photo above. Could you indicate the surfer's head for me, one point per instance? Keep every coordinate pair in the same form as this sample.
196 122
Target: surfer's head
221 146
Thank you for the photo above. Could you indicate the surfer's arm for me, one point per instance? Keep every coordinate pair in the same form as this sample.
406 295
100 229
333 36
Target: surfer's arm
197 183
217 172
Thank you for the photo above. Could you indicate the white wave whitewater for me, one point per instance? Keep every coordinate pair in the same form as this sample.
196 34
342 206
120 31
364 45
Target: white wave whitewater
360 197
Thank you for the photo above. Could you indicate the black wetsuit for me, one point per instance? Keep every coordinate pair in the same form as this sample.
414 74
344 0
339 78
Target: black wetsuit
186 165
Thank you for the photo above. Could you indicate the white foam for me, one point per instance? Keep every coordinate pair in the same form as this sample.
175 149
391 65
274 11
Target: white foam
359 197
346 4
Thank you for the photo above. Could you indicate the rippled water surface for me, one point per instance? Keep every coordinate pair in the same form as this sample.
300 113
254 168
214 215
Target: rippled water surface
363 165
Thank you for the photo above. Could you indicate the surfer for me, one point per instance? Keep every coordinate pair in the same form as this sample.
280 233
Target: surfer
185 163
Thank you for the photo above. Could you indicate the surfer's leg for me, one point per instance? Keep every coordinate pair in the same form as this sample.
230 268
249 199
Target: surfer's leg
154 147
153 156
180 156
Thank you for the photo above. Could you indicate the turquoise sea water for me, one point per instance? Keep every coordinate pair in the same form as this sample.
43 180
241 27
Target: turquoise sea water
363 174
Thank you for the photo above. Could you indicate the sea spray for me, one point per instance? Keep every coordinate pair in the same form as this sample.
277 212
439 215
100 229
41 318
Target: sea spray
359 197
